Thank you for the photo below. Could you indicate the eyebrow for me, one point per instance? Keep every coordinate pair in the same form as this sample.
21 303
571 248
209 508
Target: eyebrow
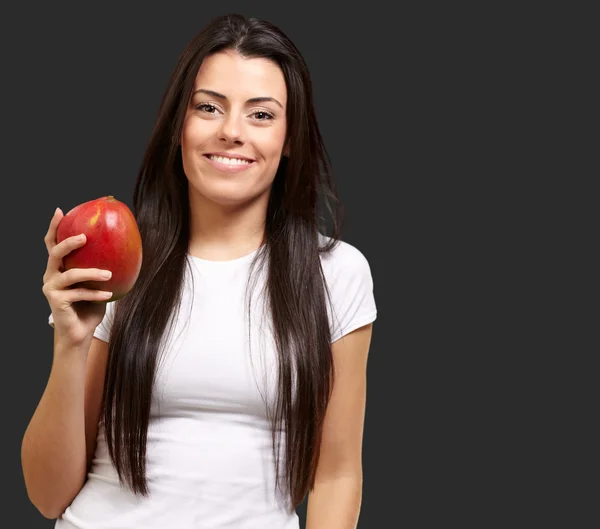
251 100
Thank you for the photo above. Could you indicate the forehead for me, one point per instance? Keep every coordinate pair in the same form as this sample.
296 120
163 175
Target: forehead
237 77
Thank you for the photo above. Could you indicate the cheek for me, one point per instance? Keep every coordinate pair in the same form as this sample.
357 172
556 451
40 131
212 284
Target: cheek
275 142
193 135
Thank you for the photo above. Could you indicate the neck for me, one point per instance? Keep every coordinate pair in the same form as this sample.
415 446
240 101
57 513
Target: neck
221 233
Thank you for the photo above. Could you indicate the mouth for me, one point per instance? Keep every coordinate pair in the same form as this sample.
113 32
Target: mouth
229 158
229 164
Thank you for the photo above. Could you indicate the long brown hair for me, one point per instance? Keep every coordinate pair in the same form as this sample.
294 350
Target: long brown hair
296 290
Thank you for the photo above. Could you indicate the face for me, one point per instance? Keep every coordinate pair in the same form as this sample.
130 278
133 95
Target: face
235 128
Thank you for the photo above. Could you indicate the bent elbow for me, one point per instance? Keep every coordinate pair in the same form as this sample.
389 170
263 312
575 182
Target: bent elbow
47 507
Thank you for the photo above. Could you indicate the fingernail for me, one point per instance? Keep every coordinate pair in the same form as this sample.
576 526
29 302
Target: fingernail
106 274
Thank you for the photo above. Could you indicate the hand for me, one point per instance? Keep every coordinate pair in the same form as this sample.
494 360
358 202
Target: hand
76 311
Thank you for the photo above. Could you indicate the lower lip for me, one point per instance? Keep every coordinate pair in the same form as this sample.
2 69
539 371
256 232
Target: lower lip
227 168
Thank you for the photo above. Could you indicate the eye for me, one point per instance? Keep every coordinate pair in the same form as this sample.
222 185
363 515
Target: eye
206 107
261 115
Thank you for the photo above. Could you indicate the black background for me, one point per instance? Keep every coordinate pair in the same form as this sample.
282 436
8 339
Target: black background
398 95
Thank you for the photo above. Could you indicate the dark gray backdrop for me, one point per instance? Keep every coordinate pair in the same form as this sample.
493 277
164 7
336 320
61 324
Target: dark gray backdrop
80 91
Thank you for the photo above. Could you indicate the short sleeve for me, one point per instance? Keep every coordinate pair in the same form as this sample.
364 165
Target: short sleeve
103 329
351 288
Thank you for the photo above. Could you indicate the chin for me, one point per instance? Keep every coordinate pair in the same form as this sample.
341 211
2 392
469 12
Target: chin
229 191
230 199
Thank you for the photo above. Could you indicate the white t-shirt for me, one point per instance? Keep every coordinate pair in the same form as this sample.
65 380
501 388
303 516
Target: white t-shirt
209 448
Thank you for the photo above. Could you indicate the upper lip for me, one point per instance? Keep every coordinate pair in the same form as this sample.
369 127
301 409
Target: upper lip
229 155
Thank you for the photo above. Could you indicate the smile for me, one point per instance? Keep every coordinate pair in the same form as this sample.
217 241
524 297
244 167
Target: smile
229 165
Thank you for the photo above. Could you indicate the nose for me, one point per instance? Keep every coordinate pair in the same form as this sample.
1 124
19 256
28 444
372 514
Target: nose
231 129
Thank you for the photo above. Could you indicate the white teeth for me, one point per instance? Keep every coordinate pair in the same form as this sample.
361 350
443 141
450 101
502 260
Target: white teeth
229 161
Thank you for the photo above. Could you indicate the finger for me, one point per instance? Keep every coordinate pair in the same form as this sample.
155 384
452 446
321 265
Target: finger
50 237
60 250
79 275
84 294
63 299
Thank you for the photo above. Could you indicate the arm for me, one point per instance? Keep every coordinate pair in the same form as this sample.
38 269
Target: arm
61 437
335 500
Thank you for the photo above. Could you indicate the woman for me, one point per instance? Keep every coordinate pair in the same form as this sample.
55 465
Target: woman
230 381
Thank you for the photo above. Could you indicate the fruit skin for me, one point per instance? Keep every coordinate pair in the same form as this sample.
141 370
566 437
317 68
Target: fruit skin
113 242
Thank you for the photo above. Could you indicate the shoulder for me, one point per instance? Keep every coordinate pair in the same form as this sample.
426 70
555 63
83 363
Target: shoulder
344 261
103 330
350 285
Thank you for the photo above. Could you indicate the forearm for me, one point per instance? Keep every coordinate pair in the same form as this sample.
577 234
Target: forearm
53 449
335 504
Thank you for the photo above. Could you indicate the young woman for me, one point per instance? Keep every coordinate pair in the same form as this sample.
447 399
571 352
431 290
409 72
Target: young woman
231 381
